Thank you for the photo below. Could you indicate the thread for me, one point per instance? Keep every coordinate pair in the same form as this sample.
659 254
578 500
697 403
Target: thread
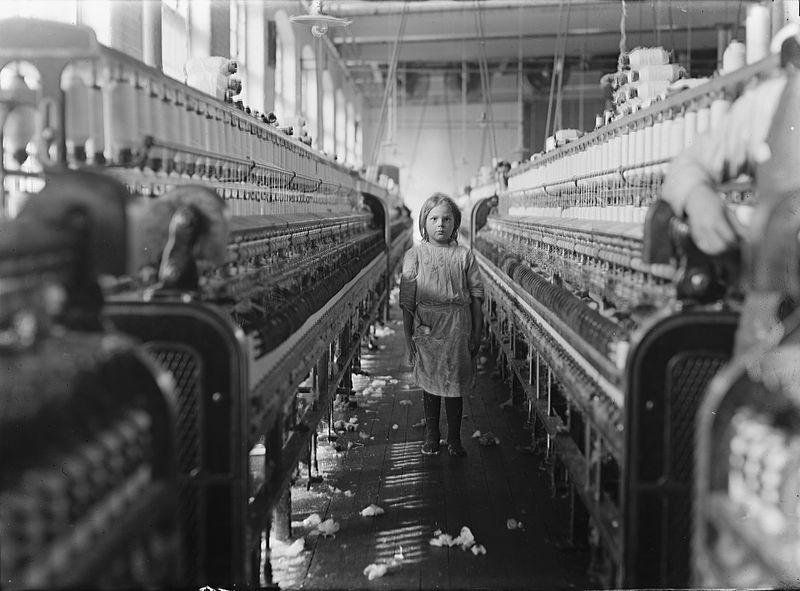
20 124
120 113
758 33
734 57
76 106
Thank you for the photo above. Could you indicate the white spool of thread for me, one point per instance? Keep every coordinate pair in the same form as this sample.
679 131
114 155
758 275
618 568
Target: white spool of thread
734 57
20 124
656 143
628 213
191 133
624 160
638 148
232 131
96 142
242 134
719 106
690 127
557 167
647 145
263 143
703 118
758 28
144 104
616 152
677 140
580 165
666 136
595 159
226 133
176 132
158 157
206 115
120 112
77 115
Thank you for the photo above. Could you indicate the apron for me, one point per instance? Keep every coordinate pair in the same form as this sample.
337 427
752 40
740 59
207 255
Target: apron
443 365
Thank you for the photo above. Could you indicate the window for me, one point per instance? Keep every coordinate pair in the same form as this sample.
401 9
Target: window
308 91
285 69
200 28
253 78
350 148
174 37
359 143
279 75
328 114
238 23
65 11
341 125
238 49
97 15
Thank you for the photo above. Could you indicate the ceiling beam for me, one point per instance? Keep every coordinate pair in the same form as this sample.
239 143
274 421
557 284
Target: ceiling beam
530 47
388 7
364 40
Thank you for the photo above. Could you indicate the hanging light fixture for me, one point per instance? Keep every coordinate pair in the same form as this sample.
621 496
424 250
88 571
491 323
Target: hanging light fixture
318 21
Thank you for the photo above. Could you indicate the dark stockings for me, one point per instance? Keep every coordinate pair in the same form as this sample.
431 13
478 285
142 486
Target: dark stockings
453 407
432 406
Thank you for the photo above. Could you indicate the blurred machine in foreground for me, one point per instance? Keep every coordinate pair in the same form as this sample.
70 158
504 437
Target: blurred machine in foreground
255 267
610 324
87 421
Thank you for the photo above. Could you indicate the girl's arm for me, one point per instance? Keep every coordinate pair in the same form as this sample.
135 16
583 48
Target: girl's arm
408 327
476 292
475 306
408 299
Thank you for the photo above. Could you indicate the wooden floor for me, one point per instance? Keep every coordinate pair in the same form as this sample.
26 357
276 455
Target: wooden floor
421 494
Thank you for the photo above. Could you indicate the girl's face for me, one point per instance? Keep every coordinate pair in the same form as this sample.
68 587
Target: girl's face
440 224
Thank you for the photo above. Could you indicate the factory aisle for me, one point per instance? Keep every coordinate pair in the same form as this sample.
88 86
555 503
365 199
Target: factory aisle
376 461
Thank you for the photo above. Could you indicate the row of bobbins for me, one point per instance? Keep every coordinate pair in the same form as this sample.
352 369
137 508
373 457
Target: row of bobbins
641 148
111 108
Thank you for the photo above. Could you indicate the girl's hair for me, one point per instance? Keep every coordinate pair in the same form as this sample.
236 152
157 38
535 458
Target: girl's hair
433 201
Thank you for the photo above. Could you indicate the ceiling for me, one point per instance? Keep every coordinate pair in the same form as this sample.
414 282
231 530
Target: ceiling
453 36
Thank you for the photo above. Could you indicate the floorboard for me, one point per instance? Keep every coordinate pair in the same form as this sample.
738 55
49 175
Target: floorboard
379 463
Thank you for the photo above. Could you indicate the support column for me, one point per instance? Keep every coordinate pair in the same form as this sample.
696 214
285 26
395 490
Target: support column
345 342
322 380
724 36
778 16
525 132
220 29
256 558
282 516
151 33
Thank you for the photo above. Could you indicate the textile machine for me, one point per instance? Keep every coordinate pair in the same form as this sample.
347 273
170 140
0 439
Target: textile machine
257 264
87 421
609 323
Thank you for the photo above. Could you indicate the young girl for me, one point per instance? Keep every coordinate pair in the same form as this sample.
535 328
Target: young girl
440 294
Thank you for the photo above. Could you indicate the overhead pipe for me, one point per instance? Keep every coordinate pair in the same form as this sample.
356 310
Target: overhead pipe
334 52
503 36
151 34
396 7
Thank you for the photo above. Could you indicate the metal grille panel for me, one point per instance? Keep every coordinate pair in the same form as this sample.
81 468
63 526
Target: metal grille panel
688 376
185 366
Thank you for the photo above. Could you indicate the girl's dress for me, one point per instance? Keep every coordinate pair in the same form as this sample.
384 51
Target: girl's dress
436 286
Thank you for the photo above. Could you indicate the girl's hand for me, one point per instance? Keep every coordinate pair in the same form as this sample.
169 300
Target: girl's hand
713 227
474 344
412 351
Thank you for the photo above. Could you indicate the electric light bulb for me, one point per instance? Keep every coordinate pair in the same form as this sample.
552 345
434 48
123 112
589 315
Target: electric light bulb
319 30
